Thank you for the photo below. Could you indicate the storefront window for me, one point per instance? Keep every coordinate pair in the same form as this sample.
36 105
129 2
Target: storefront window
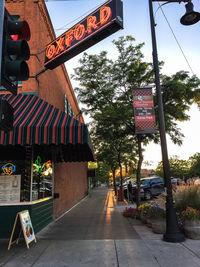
15 177
42 179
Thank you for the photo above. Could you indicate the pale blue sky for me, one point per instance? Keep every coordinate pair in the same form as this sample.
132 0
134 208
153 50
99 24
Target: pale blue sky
136 23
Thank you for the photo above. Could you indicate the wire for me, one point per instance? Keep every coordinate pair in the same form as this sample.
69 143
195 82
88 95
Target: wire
84 14
160 6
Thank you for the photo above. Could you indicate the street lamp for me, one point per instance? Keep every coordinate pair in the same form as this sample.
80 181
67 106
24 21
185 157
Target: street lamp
173 233
190 17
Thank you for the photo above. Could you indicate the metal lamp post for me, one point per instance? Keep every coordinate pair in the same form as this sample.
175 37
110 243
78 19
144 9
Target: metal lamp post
173 233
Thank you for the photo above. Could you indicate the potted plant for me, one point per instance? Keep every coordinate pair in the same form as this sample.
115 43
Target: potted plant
130 212
143 211
157 216
187 203
191 219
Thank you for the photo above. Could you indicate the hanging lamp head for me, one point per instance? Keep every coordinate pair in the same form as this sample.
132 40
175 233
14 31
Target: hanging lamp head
191 17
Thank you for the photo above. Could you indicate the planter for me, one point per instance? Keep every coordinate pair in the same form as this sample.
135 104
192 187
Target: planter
149 222
192 229
143 218
159 226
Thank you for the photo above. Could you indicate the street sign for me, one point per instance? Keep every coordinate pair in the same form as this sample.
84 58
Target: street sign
100 24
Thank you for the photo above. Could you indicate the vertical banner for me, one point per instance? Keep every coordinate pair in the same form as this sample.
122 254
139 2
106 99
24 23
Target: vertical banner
144 111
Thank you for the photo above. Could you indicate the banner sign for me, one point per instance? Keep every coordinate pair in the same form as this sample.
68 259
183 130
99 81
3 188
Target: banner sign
100 24
144 111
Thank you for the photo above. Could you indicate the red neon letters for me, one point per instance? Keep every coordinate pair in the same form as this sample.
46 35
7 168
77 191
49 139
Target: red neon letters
78 33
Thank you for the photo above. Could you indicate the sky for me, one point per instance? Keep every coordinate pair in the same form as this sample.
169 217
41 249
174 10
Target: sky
66 13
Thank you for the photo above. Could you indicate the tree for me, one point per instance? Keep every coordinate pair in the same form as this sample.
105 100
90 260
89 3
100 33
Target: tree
111 140
106 87
195 165
178 167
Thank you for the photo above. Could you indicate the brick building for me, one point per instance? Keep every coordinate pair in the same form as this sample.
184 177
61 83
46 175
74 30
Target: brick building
50 163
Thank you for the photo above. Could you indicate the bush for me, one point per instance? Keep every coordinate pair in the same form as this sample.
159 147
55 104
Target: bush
187 196
130 212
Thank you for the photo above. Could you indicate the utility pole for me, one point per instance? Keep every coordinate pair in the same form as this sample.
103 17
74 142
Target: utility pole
2 6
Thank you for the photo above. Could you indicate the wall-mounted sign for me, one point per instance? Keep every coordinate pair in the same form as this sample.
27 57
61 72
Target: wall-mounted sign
92 165
9 168
144 111
101 23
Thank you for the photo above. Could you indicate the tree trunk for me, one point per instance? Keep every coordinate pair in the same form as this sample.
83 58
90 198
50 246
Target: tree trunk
139 170
114 181
121 177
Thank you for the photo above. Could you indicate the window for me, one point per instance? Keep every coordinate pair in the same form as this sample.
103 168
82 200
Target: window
42 185
68 108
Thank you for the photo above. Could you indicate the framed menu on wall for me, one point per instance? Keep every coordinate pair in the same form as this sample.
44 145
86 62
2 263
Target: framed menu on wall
10 188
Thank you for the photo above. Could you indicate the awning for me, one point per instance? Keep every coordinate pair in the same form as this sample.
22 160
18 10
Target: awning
37 122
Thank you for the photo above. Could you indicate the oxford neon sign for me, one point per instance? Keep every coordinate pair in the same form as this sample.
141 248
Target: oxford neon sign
104 21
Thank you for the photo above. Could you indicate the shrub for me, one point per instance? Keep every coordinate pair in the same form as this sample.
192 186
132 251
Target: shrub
191 214
187 195
130 212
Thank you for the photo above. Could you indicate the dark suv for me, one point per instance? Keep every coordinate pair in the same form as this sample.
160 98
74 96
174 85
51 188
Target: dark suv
150 187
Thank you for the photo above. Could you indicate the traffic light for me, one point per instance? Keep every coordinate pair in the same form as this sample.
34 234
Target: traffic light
15 52
6 115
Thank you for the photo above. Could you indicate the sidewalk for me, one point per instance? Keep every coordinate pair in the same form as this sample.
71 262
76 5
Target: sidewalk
93 235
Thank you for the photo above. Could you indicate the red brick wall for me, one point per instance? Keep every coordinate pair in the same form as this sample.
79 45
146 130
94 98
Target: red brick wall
70 179
71 183
52 84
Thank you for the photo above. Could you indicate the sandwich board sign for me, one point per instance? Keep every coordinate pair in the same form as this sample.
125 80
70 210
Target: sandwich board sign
22 224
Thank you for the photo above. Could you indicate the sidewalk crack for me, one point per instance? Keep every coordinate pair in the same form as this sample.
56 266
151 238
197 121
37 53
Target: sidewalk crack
116 253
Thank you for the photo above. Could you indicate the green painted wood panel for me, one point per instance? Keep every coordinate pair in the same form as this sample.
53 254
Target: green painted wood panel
41 215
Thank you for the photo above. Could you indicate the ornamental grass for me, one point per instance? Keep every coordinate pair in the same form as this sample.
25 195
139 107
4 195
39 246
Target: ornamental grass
187 195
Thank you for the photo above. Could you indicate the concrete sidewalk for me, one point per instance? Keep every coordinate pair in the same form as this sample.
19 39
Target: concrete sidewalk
57 247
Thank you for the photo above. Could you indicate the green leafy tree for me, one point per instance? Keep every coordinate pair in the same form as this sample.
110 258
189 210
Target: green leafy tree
102 172
106 87
195 165
178 167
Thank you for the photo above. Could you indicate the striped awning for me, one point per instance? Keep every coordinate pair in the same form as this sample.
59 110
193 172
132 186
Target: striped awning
37 122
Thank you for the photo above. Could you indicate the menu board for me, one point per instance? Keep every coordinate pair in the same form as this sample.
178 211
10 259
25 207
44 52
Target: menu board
27 226
22 224
10 188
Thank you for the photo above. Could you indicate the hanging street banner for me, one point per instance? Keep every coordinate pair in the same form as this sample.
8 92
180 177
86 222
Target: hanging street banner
100 24
144 111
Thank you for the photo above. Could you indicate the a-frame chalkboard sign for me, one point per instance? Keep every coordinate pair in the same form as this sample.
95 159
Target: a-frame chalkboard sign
22 224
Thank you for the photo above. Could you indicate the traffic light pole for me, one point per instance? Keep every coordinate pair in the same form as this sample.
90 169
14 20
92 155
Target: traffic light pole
2 5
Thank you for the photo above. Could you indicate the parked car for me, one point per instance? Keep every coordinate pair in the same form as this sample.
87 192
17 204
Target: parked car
150 187
176 181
